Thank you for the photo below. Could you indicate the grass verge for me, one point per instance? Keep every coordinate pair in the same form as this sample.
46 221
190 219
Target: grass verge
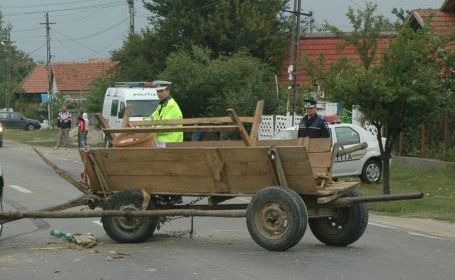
41 138
437 186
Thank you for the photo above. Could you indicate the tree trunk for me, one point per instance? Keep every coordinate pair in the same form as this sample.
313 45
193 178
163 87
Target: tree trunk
386 174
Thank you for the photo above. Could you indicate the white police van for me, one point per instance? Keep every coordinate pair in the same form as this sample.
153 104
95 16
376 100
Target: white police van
142 98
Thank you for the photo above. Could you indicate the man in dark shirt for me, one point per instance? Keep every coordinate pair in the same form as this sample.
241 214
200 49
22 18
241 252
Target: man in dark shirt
312 125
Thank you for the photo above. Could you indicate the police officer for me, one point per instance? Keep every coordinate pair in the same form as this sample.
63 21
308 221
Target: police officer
167 109
312 125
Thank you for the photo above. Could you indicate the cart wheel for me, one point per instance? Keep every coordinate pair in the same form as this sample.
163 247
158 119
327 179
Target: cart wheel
344 229
276 218
128 229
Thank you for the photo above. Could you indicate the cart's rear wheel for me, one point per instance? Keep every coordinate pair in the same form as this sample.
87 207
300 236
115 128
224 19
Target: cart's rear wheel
128 229
343 229
276 218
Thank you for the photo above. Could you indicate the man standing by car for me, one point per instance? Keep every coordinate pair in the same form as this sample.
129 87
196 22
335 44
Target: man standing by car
312 125
64 125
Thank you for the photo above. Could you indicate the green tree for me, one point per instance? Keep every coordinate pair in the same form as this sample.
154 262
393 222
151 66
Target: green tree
20 64
225 27
207 87
397 93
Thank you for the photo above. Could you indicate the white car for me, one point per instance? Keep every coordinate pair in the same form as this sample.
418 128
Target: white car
365 163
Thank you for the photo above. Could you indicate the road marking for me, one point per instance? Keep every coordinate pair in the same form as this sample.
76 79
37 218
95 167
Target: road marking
424 235
98 222
19 189
381 225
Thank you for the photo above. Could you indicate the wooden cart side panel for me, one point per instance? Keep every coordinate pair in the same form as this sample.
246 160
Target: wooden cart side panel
298 170
89 169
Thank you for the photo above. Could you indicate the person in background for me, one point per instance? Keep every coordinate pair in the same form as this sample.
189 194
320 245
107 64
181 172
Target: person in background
83 130
312 125
64 125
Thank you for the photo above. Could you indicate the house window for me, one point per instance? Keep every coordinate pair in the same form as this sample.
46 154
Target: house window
114 108
347 136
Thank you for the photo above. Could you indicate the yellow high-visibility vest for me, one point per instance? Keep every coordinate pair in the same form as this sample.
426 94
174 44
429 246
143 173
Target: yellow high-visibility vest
170 110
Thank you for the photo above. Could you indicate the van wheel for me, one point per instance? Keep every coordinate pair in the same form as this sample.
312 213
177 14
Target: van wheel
30 127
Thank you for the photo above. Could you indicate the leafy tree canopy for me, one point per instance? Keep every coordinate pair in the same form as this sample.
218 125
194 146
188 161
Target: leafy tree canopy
204 86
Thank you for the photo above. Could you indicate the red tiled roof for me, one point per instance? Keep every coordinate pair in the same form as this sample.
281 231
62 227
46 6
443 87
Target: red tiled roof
328 45
440 22
78 76
36 81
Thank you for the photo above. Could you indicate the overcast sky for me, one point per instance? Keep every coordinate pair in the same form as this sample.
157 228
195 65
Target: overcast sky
86 29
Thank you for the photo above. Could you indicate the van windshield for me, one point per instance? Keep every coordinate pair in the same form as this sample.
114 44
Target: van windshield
142 108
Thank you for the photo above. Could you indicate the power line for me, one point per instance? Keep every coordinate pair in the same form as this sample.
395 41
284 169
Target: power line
98 32
66 9
60 3
35 50
73 40
65 47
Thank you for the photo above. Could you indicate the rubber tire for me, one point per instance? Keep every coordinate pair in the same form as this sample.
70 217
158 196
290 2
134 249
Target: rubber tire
297 217
353 228
113 225
30 127
363 176
1 210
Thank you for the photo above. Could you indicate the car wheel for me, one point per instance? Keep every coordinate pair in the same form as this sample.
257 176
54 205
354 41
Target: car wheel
371 171
30 127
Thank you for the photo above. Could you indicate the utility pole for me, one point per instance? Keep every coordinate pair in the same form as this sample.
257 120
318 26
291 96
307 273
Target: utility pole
131 11
7 44
292 69
48 65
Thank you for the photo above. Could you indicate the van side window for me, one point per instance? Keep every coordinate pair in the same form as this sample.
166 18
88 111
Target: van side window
347 136
114 108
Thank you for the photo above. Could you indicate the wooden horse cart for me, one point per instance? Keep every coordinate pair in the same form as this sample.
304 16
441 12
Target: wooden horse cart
287 183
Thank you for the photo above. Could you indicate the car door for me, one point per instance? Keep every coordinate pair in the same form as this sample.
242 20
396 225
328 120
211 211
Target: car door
347 164
17 120
114 121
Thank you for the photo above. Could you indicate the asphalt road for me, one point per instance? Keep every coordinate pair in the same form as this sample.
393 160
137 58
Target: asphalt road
221 248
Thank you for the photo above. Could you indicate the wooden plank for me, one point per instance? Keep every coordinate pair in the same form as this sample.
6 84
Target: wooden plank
126 115
295 161
318 170
206 144
214 128
269 143
243 134
156 168
320 159
169 184
274 156
217 165
244 154
191 121
319 145
302 184
247 168
256 122
150 155
104 125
